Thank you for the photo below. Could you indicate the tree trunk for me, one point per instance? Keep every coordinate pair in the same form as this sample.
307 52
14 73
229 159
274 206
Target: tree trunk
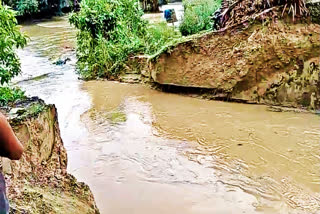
150 5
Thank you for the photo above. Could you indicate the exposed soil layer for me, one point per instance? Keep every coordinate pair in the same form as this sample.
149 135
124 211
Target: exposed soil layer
275 63
39 182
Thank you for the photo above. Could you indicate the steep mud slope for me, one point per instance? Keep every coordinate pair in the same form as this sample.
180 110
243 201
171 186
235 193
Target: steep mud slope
276 63
39 182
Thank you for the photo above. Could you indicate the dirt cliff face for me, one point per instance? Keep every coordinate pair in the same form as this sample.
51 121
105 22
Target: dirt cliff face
39 182
275 63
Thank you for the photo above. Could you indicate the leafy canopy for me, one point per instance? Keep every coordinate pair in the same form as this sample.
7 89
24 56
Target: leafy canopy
10 95
31 7
10 39
23 6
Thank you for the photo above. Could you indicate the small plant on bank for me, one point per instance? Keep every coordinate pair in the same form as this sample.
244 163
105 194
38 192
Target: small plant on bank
197 16
23 7
109 32
27 7
10 95
33 7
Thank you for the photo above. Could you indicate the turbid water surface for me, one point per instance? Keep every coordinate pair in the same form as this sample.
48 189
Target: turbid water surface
146 151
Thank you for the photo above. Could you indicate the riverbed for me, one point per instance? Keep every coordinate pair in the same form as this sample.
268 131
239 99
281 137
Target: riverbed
145 151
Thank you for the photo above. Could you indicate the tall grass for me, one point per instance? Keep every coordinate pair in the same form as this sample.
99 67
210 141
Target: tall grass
197 15
159 35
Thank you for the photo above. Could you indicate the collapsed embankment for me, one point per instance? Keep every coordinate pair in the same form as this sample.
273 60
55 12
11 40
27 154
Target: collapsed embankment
276 63
39 182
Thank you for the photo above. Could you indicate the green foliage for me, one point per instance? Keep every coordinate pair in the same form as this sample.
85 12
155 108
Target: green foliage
23 7
10 39
157 36
197 16
112 30
27 7
10 95
30 7
116 116
151 5
36 109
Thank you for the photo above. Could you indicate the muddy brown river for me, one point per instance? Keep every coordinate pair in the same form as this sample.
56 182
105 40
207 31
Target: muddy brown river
145 151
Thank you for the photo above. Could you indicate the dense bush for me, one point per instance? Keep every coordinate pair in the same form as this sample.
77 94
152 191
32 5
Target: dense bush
197 16
30 7
10 39
151 5
157 36
109 32
27 7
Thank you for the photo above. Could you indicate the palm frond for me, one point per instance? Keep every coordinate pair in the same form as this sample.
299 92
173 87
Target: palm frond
242 10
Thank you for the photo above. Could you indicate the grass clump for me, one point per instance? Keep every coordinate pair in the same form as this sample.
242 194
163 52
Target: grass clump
197 15
117 117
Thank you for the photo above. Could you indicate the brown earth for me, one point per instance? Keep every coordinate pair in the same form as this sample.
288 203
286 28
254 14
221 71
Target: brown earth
39 182
275 63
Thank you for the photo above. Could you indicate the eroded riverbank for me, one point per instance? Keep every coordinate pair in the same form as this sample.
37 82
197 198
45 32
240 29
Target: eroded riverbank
145 151
39 182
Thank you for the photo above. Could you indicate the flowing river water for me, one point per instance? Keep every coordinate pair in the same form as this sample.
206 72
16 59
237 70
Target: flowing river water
146 151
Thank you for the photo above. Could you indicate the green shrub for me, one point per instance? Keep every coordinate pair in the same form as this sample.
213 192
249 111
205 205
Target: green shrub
27 7
10 39
157 36
197 16
10 95
110 30
31 7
